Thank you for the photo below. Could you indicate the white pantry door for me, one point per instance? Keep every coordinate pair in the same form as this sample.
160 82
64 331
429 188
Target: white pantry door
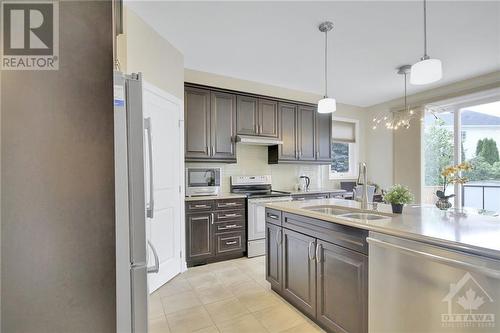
164 229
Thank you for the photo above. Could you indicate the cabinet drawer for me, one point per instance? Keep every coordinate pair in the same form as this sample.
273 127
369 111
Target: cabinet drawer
273 216
196 206
345 236
230 226
230 204
229 215
229 242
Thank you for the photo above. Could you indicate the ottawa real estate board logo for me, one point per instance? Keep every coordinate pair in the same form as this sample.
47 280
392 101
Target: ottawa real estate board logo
469 305
30 35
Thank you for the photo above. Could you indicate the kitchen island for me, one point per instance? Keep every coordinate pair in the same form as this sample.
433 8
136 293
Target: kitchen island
372 271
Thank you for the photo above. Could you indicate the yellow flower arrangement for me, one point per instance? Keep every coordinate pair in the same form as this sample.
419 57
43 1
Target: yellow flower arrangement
452 175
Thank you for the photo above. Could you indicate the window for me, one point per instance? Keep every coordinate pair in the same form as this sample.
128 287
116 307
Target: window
344 149
464 133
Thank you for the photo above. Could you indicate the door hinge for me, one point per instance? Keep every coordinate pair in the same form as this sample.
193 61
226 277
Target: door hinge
180 189
180 254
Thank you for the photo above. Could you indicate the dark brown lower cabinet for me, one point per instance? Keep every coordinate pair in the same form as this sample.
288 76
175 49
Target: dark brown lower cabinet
199 236
273 253
326 281
215 230
299 271
342 284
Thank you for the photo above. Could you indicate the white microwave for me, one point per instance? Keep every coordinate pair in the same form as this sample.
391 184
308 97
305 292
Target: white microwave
202 181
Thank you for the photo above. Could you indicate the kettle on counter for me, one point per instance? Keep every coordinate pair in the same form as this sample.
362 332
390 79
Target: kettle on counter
304 183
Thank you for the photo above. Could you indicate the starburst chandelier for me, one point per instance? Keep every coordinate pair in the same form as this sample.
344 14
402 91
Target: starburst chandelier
394 120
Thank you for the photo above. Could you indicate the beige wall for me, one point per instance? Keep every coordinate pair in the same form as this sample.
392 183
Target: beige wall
252 159
395 157
142 49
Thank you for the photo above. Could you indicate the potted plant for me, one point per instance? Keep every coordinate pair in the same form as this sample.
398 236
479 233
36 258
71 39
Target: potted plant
451 175
398 196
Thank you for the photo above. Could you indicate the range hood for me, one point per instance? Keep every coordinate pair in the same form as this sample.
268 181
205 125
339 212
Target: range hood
258 140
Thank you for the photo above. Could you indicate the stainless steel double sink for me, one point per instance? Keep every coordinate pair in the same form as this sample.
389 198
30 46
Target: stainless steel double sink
343 212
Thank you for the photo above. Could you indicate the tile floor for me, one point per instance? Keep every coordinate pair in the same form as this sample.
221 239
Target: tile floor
226 297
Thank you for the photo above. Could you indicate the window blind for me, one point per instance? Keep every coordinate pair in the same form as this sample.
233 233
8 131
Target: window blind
344 131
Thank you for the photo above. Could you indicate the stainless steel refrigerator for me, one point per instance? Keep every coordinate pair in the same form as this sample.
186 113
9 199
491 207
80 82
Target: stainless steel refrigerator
132 154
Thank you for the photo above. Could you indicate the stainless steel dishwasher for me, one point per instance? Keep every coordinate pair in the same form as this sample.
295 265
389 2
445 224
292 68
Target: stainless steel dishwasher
417 287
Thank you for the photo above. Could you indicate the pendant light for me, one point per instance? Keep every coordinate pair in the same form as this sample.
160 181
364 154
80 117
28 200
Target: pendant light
326 105
394 120
427 70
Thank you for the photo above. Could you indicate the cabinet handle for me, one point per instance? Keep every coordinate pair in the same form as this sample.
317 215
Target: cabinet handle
199 218
318 253
274 217
201 206
311 244
212 216
227 204
278 237
231 243
231 226
213 150
227 216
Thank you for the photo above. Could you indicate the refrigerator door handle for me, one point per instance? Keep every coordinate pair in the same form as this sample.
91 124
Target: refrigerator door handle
151 204
156 267
436 258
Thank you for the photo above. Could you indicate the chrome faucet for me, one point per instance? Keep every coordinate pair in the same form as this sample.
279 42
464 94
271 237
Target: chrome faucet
364 195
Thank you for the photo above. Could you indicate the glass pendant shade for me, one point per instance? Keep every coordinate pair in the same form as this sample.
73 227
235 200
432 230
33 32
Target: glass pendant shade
426 71
327 105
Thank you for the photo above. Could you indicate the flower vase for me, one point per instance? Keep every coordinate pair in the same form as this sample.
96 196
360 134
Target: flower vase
397 208
443 204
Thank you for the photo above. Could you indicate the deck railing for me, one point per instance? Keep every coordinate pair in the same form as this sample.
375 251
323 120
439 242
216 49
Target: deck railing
482 196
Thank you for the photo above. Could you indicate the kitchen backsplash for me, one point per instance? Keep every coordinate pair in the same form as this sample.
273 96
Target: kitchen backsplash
252 160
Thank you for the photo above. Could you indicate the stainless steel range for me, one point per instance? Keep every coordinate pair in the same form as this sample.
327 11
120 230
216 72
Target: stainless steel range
258 190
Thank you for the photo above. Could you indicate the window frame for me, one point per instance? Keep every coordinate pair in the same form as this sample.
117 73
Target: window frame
455 106
353 153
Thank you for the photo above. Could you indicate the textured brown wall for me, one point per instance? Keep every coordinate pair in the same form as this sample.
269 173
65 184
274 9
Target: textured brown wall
58 243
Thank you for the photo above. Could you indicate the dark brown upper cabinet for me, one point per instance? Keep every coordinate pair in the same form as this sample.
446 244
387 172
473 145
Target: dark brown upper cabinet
324 137
268 118
306 136
288 132
210 125
223 125
214 117
197 123
247 115
256 116
306 133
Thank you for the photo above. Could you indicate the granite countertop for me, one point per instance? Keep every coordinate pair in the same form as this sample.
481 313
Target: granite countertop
316 191
461 230
215 197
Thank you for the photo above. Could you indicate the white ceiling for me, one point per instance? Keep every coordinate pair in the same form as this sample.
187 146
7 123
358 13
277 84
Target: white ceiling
278 43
